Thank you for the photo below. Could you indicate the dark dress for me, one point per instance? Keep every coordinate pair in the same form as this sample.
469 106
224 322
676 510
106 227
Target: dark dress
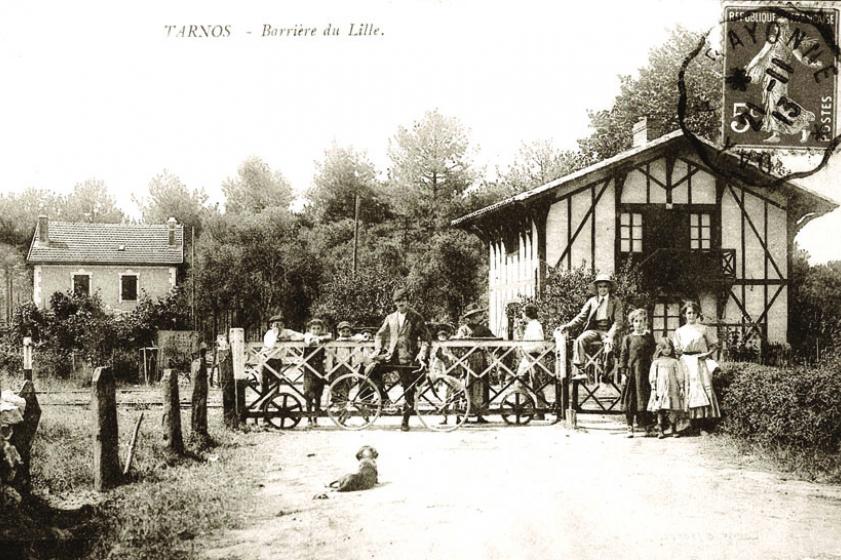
635 359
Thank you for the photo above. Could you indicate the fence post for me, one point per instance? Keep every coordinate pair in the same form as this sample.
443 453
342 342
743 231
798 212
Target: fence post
27 358
229 398
172 412
237 339
23 435
198 410
106 460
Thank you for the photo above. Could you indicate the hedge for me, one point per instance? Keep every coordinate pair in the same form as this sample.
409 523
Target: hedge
797 406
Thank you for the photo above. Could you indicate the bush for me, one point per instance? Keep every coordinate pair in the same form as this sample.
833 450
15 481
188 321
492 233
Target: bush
796 407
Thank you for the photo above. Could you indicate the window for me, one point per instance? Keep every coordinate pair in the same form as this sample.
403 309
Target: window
630 232
700 231
665 319
82 284
128 287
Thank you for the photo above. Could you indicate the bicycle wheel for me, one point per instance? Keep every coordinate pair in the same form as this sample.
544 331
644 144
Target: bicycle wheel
442 404
355 402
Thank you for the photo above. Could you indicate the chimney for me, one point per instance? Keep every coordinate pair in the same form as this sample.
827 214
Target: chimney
43 229
171 226
640 133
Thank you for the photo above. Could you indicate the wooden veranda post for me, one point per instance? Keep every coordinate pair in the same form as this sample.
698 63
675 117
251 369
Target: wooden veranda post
172 412
106 460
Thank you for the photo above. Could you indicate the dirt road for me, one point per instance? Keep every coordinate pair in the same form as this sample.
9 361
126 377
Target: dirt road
532 492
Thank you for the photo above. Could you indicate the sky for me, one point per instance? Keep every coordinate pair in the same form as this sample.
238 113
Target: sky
108 90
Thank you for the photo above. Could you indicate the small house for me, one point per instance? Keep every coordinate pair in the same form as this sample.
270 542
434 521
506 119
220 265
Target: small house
120 262
689 230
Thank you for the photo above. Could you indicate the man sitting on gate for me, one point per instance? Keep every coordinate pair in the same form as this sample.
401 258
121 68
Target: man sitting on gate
402 339
602 317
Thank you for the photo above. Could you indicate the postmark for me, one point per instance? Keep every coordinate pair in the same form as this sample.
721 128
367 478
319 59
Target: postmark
780 67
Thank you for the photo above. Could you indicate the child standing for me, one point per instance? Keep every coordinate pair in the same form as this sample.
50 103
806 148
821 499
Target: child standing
314 374
635 360
667 388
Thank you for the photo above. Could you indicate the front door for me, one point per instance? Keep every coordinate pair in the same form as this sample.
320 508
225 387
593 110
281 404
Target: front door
667 233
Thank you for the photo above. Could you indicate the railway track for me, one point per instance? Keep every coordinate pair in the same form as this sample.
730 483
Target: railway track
126 398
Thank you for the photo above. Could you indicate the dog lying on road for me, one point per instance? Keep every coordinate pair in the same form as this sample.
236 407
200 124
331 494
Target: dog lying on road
365 478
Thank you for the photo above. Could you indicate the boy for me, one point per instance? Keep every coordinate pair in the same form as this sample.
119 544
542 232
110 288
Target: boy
314 375
274 361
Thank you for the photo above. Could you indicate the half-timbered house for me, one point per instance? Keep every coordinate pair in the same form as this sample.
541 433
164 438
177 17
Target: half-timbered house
693 231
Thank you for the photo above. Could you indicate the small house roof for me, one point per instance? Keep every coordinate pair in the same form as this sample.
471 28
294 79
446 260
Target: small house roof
638 153
107 244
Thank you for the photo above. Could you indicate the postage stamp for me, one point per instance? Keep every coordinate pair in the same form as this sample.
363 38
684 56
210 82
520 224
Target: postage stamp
781 77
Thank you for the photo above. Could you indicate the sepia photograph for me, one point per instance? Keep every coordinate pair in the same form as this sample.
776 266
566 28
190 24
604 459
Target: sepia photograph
427 279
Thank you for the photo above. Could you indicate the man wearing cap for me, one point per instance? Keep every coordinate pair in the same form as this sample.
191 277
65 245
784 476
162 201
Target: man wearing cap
601 318
402 340
275 334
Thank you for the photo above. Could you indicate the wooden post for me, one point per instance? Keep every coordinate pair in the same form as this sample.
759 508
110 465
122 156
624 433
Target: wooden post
241 412
27 358
23 435
133 443
198 410
237 340
106 461
229 392
172 412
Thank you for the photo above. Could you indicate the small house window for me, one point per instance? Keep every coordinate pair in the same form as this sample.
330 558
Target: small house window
128 287
665 319
700 231
630 232
81 284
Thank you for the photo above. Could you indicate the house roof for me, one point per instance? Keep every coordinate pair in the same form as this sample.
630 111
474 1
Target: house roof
107 244
623 158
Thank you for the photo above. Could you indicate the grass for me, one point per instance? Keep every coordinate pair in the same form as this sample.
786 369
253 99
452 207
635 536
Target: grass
168 501
811 465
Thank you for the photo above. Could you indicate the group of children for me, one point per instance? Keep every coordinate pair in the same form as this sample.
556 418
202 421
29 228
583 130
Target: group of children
670 379
316 361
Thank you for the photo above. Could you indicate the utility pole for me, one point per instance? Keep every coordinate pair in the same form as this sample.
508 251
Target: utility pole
357 202
193 275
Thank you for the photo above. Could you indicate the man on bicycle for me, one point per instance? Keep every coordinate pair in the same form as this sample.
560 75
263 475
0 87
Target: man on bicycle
401 341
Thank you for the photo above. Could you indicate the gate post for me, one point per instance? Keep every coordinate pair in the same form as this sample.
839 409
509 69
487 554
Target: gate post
237 339
568 393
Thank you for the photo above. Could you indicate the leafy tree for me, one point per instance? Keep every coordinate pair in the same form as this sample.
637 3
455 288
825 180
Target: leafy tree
362 299
256 188
815 307
448 273
340 177
90 201
539 162
654 95
168 197
430 169
19 214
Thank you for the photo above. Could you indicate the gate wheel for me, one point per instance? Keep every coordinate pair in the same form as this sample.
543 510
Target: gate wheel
283 411
517 408
355 402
